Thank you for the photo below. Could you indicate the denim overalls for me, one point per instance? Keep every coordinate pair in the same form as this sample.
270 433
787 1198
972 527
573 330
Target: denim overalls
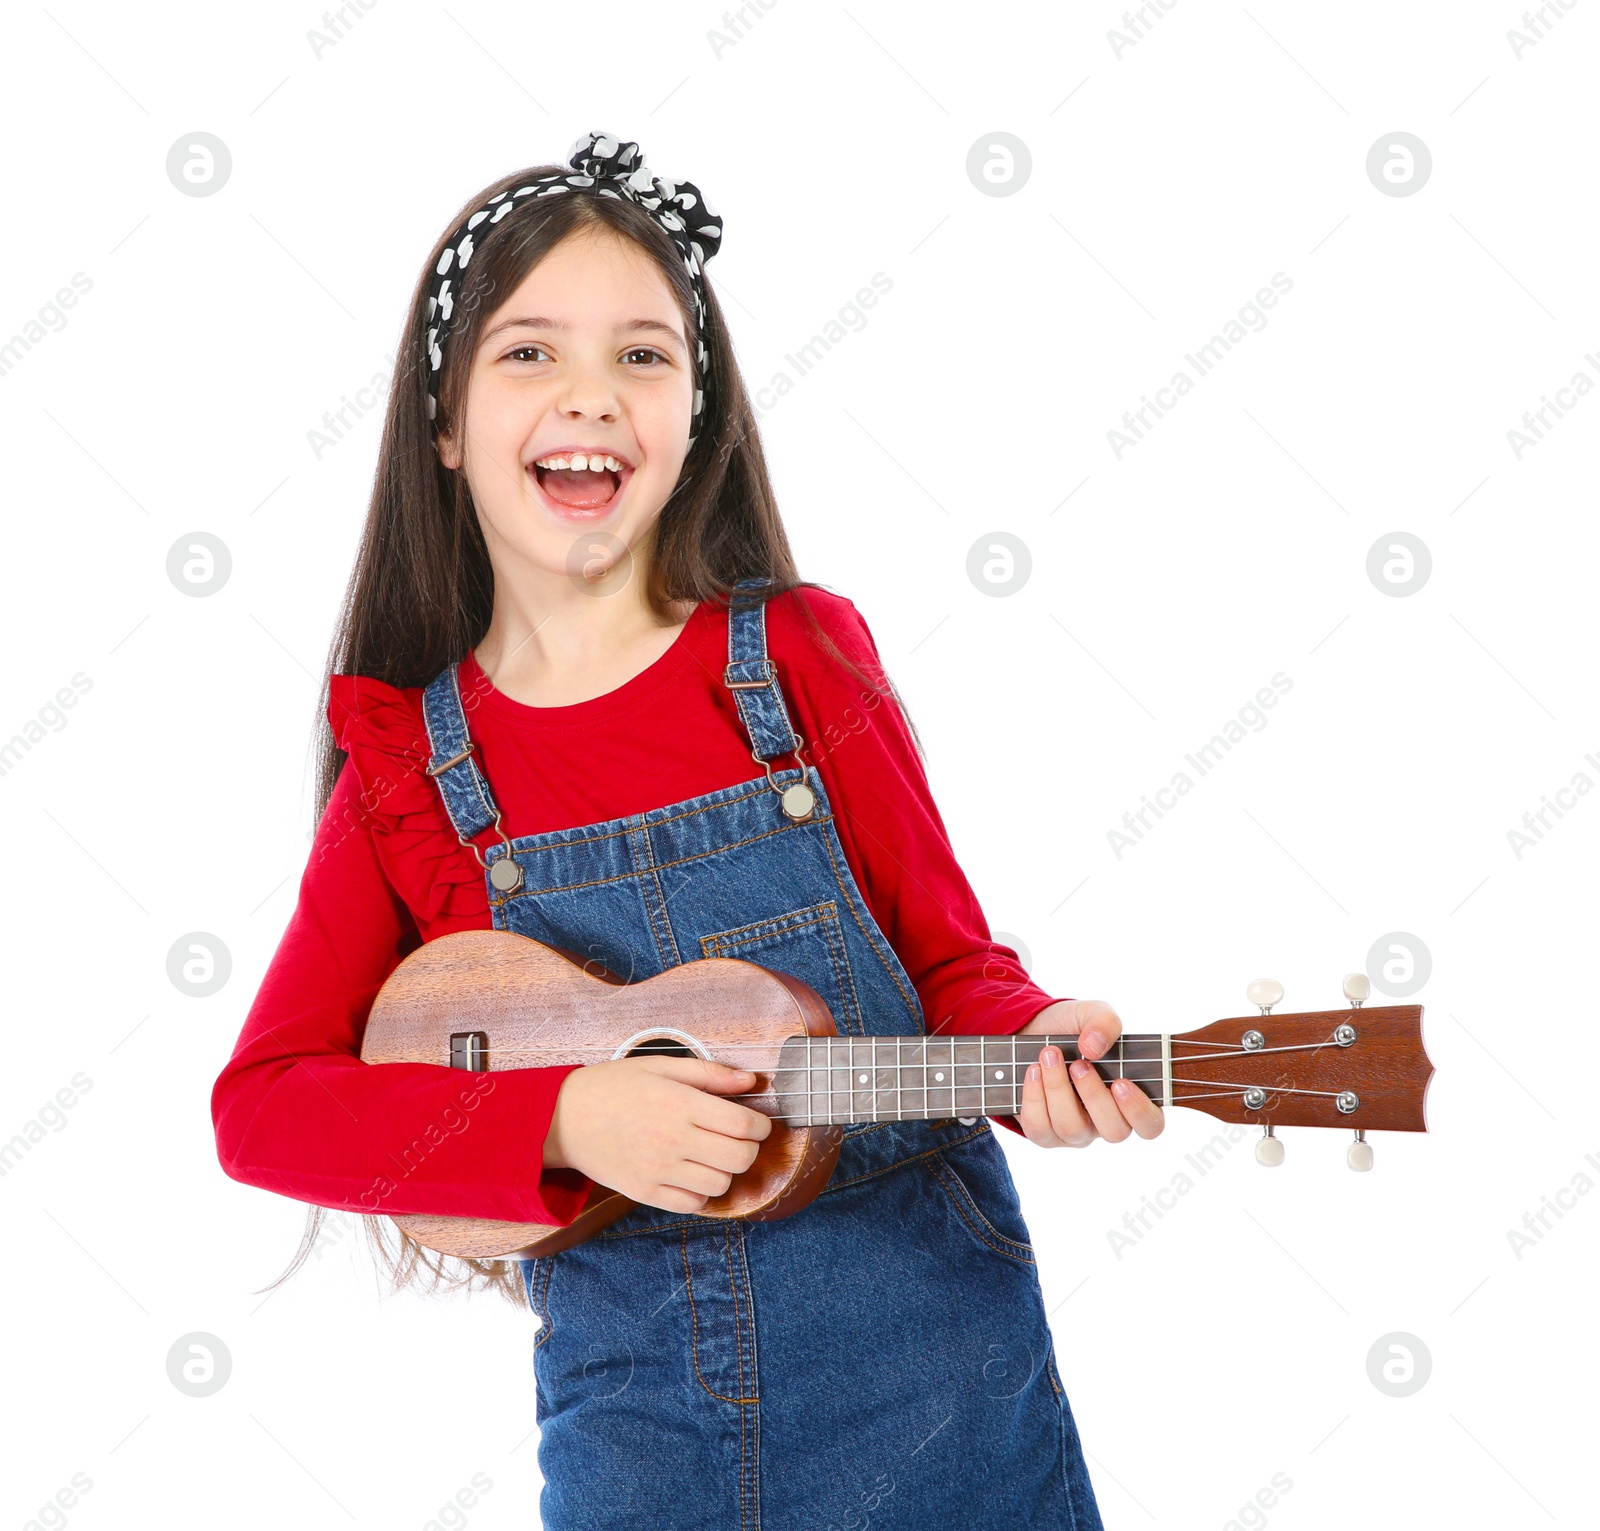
879 1358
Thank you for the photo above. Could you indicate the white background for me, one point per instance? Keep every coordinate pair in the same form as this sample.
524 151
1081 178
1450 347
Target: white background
1170 180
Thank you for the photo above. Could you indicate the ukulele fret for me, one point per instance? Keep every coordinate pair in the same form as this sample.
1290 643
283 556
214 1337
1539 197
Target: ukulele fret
848 1079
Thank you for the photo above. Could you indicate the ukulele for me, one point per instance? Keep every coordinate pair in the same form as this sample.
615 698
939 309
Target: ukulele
484 1000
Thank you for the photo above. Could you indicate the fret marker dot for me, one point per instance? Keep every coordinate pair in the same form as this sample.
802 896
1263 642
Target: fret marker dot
999 1074
938 1076
863 1079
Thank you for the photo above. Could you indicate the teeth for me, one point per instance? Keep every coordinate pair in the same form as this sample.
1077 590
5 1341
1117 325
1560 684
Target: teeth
596 464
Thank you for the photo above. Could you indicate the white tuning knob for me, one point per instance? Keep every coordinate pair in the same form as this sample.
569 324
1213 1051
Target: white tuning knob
1265 992
1359 1154
1357 987
1269 1150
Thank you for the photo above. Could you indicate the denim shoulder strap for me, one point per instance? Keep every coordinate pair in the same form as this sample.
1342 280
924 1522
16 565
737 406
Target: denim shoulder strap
752 677
461 784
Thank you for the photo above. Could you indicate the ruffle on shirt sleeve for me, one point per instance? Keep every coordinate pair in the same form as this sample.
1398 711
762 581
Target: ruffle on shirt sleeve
381 728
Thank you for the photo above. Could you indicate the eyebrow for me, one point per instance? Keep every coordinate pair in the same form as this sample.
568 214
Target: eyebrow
540 322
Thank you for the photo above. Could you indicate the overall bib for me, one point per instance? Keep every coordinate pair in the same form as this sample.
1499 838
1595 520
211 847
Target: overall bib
879 1358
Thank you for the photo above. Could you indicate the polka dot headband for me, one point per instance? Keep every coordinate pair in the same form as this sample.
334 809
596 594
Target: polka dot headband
615 169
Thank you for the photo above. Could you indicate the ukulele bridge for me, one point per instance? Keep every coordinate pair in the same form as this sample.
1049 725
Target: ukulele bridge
469 1050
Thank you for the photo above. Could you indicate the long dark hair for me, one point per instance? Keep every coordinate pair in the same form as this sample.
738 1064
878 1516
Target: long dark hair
422 590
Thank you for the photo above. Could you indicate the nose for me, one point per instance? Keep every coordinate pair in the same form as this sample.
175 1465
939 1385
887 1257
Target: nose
588 393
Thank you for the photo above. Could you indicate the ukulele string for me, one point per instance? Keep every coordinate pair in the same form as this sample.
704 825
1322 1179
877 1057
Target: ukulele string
1229 1088
984 1109
765 1049
1277 1089
929 1086
951 1063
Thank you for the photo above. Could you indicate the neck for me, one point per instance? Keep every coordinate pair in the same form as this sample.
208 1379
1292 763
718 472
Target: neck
573 645
824 1080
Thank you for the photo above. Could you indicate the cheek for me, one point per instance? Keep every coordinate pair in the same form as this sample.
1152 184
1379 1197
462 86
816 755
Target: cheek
499 418
663 422
494 433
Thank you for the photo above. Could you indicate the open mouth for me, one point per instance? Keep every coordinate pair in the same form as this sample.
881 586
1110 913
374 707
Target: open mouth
586 491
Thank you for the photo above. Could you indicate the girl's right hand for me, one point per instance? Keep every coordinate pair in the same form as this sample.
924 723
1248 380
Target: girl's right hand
656 1129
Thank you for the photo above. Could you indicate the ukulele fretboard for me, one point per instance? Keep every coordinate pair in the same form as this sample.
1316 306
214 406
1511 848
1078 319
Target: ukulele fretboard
823 1080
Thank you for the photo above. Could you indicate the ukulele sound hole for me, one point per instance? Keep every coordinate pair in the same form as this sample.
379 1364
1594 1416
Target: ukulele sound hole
669 1046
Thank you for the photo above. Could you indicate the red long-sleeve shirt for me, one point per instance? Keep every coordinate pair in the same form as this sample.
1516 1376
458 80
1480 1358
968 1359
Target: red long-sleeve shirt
295 1109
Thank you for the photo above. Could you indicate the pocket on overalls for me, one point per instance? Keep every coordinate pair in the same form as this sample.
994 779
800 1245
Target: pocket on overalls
975 1176
536 1287
804 943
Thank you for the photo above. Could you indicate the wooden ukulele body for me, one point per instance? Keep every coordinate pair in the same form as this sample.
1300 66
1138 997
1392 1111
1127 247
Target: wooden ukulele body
492 1000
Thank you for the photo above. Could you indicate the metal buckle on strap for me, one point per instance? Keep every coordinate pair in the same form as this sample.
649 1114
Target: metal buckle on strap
454 760
504 874
745 685
797 800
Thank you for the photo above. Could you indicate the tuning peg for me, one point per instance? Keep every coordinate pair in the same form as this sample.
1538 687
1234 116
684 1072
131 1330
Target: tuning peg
1269 1150
1357 987
1265 992
1359 1154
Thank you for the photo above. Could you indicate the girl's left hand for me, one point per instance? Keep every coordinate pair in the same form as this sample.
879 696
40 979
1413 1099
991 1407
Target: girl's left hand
1070 1106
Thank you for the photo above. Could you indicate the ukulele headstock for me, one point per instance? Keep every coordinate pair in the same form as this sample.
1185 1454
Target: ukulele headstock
1361 1069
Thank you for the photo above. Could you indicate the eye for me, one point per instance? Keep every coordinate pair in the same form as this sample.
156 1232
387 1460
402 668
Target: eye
647 351
517 351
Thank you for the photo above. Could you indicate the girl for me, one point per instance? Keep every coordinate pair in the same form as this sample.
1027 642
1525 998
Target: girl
573 622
